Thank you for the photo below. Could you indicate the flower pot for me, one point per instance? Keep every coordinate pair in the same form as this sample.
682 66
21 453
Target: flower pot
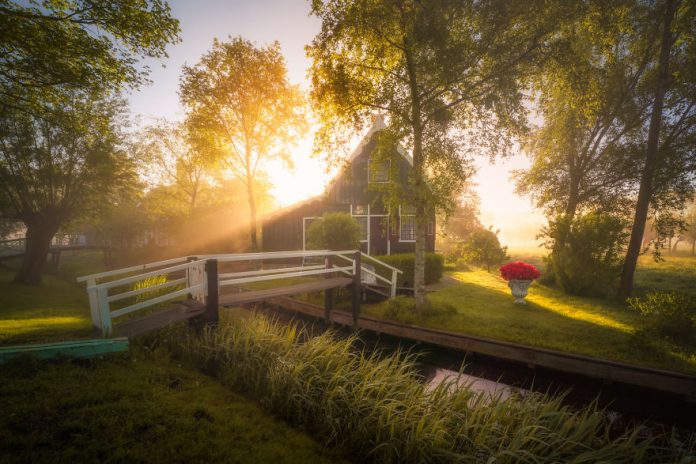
519 289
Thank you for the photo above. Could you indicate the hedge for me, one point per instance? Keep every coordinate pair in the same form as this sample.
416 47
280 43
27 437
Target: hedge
434 265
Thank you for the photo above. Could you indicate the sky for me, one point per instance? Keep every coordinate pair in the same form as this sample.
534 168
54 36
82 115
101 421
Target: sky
288 22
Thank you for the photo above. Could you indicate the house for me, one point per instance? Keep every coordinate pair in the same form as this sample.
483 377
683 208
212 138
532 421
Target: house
356 190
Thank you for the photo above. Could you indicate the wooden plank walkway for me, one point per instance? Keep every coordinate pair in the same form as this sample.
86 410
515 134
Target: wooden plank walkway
177 312
656 379
240 298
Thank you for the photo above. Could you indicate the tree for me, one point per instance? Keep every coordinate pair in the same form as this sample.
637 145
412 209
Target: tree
483 248
167 146
58 167
690 232
446 73
243 109
667 150
334 231
47 47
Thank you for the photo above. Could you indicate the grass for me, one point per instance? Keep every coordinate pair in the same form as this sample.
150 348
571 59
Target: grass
552 319
138 409
376 408
56 310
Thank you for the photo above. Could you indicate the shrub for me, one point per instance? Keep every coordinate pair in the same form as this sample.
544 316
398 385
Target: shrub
669 314
334 231
434 266
587 252
483 248
374 407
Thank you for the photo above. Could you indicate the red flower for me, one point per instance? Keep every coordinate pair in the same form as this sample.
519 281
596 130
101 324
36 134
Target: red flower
519 271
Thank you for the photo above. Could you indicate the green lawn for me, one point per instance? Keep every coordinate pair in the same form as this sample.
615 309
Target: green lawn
56 310
555 320
136 409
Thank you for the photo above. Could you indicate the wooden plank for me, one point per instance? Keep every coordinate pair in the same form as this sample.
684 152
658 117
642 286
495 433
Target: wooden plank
177 312
656 379
73 349
232 299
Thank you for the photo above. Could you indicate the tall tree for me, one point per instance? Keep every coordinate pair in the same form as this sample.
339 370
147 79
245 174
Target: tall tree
668 152
445 72
243 109
167 146
58 167
48 46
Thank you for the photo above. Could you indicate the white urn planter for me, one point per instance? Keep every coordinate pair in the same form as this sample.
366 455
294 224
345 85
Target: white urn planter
519 289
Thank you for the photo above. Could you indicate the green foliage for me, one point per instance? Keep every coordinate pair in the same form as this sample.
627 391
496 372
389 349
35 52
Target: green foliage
374 407
483 248
434 265
669 314
586 252
334 231
53 46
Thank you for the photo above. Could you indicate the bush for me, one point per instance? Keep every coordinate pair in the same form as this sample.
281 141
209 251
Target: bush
669 314
334 231
587 253
434 266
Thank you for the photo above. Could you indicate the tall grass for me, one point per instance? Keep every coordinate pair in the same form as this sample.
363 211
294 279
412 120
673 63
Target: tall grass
376 408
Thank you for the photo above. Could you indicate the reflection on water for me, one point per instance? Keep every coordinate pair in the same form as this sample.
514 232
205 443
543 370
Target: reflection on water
488 387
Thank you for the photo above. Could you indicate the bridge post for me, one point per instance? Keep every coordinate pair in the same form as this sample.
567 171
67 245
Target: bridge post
211 315
328 293
357 290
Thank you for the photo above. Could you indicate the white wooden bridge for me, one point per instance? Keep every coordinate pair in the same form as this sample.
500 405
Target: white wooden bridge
195 286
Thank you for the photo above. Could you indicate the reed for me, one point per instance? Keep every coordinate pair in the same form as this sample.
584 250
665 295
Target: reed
375 407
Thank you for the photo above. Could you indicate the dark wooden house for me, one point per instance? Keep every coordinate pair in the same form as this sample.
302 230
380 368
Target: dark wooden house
356 190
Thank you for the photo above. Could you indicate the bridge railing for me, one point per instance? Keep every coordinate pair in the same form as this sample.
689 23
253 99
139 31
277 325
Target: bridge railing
186 276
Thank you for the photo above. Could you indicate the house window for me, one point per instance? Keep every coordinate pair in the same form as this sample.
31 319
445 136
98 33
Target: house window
431 228
359 209
362 220
378 171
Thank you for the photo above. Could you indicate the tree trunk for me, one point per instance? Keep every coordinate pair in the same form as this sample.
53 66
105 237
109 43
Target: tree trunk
693 248
651 156
421 221
40 232
252 216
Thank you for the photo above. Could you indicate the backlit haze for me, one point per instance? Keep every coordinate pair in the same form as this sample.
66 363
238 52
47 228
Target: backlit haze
287 21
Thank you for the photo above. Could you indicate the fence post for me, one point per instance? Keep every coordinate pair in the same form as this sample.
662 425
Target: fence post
102 295
357 290
394 278
328 293
211 315
189 259
94 303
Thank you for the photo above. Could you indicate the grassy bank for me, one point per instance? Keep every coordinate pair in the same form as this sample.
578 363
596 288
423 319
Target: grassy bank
480 304
376 408
136 409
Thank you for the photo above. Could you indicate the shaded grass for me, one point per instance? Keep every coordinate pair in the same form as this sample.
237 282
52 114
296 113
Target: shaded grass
675 273
551 319
139 409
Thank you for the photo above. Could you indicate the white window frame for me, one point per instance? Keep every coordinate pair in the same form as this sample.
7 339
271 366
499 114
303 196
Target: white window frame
401 227
370 180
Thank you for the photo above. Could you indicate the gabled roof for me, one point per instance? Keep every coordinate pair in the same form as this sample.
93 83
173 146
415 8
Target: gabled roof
377 125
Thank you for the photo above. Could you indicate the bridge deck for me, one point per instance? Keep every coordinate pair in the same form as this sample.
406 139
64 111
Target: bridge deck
253 296
179 311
